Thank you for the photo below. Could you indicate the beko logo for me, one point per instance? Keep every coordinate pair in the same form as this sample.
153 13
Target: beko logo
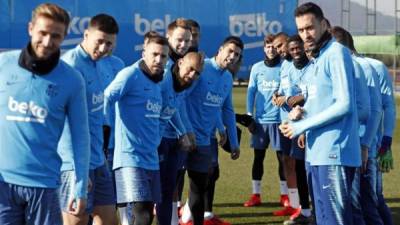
143 25
253 25
29 110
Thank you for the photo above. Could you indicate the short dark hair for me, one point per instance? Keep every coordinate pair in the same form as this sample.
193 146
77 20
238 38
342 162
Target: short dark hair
233 40
328 23
269 39
294 38
156 38
343 37
104 23
193 23
307 8
281 34
149 34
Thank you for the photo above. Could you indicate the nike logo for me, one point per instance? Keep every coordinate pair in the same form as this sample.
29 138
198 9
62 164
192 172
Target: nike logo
325 186
10 82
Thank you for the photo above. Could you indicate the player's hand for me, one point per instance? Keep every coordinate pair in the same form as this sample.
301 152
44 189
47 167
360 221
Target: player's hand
364 158
296 113
287 129
385 161
235 153
77 207
222 138
301 141
184 143
252 127
295 100
386 144
280 101
192 138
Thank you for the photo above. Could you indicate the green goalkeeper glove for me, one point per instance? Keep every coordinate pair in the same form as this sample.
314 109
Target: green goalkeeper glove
385 161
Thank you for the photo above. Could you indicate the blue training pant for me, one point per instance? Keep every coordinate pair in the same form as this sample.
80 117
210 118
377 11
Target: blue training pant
332 186
169 156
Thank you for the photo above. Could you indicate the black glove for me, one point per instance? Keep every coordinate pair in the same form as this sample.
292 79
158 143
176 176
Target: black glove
244 119
227 145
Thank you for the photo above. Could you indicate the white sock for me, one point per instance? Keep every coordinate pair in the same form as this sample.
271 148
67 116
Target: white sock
174 218
294 198
306 212
179 204
284 188
208 215
124 215
187 214
256 186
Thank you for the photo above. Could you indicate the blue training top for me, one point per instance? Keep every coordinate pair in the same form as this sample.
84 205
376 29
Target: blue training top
32 117
388 102
264 82
137 119
208 95
92 73
330 109
112 65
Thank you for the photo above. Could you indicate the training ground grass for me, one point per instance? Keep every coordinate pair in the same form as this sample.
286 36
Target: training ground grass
234 184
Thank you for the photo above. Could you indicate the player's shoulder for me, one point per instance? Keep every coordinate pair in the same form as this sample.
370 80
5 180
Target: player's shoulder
115 61
70 74
9 56
259 64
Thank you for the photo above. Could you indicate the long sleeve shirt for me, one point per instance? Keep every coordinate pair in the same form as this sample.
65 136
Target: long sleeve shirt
264 82
137 119
91 72
330 110
32 117
208 97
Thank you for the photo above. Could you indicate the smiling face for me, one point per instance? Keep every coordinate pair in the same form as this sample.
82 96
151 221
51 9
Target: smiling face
98 43
228 54
279 44
310 29
270 50
155 57
179 40
46 36
295 49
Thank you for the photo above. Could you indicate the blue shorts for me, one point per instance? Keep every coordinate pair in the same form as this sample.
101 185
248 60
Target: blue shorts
265 134
200 159
332 187
137 185
20 205
291 148
101 193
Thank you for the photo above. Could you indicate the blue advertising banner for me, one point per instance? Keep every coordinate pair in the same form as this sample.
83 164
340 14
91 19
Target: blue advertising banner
251 20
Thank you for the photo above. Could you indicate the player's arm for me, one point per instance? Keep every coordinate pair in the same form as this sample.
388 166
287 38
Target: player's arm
251 92
375 114
229 119
117 88
362 93
177 123
77 115
388 104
